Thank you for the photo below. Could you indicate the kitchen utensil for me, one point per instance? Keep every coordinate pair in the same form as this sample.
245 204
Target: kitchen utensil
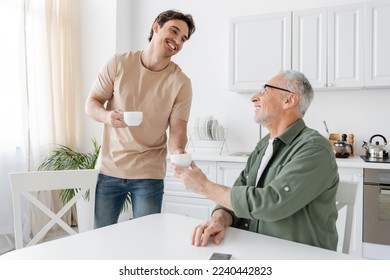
209 128
376 150
214 128
133 118
220 133
183 160
207 121
196 128
203 128
342 148
326 129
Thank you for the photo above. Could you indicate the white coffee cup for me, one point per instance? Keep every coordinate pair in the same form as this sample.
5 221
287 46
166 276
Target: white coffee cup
183 160
133 118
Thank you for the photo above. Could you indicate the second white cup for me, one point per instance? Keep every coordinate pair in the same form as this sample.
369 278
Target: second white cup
133 118
183 160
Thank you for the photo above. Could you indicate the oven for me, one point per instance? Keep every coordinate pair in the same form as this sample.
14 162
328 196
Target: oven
376 214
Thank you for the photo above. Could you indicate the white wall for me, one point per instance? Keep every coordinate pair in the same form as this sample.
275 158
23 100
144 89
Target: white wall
98 42
204 59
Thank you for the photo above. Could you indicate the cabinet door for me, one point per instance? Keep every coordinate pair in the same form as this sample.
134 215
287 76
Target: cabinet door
228 172
192 207
310 45
173 186
260 47
377 43
346 46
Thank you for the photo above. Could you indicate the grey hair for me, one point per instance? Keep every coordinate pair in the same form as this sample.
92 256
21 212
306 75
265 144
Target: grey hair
296 82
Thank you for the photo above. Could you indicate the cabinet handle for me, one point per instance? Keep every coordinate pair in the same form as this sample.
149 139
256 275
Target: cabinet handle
385 192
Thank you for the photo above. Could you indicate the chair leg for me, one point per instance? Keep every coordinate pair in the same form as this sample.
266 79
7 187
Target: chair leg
18 230
348 229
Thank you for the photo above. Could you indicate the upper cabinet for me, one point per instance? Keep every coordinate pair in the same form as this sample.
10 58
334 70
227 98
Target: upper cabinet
328 46
310 45
346 46
377 43
341 47
259 47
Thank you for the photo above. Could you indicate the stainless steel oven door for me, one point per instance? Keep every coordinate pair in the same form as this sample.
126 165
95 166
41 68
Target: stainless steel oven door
376 214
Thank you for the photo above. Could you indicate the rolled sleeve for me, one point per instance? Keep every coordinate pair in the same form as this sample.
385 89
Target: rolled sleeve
239 198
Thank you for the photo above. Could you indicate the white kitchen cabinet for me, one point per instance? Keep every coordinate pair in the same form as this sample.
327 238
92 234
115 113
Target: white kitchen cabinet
200 208
328 46
259 47
178 199
309 45
377 44
354 175
346 46
175 187
228 172
338 47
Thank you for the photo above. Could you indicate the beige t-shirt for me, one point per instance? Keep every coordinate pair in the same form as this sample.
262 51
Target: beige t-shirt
139 152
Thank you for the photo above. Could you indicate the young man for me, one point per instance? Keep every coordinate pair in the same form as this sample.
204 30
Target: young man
289 184
133 159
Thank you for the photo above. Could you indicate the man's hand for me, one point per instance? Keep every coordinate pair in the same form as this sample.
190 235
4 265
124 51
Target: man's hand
115 119
215 227
193 178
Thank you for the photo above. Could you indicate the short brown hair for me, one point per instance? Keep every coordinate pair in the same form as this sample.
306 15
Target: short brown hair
163 17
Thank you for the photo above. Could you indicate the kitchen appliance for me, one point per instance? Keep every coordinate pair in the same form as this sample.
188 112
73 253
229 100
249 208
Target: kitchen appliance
342 148
342 144
376 152
376 214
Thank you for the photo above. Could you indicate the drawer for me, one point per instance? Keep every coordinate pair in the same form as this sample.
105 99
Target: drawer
188 206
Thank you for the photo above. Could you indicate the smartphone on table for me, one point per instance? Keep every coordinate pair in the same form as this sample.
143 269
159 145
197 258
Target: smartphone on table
220 256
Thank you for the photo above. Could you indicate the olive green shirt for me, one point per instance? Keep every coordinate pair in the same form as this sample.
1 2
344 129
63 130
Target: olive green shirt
295 196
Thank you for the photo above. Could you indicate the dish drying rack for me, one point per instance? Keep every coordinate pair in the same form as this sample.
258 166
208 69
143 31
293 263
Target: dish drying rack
205 143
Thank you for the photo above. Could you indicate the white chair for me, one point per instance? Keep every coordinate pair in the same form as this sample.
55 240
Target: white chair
23 183
345 197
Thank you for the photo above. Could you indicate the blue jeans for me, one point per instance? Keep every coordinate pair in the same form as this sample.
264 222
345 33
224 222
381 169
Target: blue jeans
111 192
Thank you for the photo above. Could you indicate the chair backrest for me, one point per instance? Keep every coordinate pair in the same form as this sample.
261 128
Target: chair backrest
24 183
345 197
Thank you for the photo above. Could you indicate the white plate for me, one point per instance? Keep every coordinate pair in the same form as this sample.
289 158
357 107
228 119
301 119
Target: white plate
214 128
220 133
209 127
203 128
196 128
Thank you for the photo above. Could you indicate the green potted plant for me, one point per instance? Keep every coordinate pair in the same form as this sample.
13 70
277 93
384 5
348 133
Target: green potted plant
64 158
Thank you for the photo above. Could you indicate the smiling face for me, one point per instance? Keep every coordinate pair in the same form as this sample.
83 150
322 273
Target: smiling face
170 37
269 103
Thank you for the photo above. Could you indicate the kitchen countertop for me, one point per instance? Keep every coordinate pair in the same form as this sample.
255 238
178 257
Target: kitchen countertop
218 157
352 162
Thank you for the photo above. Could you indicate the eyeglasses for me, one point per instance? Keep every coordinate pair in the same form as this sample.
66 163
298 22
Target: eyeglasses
266 85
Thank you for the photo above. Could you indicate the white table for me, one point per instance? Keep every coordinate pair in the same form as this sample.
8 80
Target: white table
167 237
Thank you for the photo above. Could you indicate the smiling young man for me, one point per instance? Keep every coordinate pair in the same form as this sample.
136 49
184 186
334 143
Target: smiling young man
133 159
289 184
